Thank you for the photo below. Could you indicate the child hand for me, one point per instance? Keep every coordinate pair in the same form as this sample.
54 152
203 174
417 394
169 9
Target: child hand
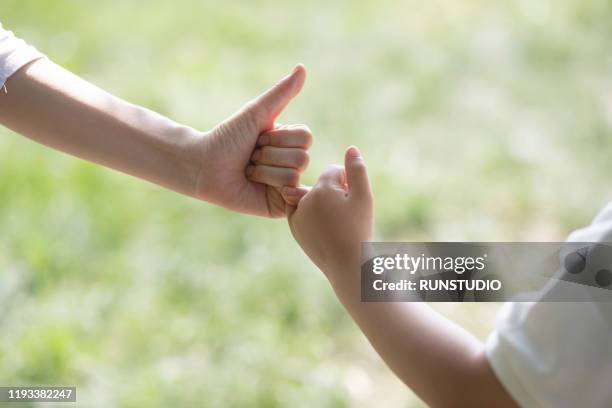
248 158
335 216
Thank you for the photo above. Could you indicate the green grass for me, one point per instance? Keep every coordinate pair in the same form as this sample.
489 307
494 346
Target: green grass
479 121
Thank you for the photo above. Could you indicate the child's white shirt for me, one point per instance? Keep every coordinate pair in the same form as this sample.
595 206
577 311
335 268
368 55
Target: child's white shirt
557 354
14 54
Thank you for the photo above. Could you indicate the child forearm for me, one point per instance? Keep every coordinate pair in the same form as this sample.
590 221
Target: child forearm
54 107
441 362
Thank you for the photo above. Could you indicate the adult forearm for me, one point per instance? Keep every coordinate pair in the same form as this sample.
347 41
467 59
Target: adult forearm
54 107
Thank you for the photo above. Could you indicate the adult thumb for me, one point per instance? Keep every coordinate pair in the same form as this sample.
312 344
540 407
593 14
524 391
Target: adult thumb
272 102
356 174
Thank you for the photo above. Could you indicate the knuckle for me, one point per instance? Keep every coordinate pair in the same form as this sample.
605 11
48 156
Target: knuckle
256 157
264 139
292 177
251 106
302 135
305 128
305 135
270 139
302 159
264 156
257 173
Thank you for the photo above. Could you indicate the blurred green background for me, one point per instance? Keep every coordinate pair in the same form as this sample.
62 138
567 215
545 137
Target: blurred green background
479 121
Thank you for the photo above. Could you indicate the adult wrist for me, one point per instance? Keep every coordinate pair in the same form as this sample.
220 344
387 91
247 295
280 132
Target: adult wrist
190 159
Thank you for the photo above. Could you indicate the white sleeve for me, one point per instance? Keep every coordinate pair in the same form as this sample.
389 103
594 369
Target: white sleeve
557 354
14 54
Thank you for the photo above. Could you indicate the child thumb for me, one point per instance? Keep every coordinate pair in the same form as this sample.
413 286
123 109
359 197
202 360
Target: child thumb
271 103
356 174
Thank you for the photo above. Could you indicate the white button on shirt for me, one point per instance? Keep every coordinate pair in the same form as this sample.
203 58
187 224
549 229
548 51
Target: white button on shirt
14 54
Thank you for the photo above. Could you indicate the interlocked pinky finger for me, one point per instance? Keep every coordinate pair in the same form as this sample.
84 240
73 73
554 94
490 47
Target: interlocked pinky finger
293 195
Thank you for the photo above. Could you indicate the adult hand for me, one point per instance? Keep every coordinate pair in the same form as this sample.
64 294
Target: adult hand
55 107
248 159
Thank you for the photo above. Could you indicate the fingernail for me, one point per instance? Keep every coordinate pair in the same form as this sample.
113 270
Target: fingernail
249 170
256 155
353 152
